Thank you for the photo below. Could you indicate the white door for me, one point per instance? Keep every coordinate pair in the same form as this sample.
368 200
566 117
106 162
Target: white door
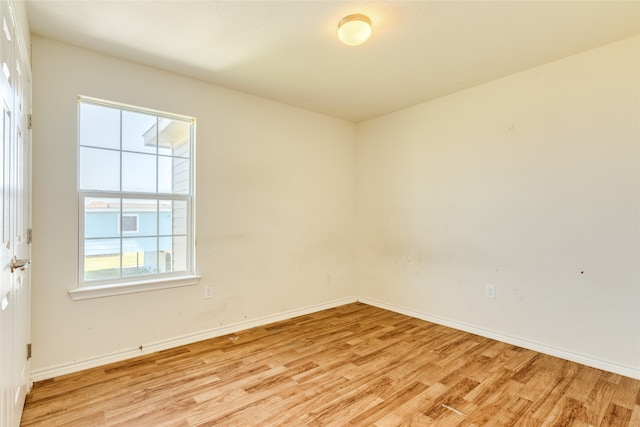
15 202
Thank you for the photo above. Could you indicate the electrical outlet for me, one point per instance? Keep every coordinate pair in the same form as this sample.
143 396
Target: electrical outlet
490 291
208 292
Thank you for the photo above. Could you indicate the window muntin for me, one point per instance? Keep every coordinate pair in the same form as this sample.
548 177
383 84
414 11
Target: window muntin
136 193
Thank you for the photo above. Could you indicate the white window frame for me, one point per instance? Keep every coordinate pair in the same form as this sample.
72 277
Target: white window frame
100 288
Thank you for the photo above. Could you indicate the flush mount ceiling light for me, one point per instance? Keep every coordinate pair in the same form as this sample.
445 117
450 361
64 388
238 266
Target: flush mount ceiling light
354 30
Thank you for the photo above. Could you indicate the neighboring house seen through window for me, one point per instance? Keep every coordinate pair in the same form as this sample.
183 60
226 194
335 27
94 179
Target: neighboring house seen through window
135 193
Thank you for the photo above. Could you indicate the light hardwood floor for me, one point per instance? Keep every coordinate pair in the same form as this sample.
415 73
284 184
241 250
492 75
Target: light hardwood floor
352 365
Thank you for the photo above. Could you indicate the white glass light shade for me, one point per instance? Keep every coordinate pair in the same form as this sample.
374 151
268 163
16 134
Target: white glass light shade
354 30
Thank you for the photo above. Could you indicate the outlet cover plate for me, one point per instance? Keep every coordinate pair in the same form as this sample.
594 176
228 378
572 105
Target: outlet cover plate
490 291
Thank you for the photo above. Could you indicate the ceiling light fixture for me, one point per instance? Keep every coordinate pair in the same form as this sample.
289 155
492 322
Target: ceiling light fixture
354 30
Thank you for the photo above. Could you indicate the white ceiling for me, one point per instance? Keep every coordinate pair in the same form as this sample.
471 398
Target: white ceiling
288 51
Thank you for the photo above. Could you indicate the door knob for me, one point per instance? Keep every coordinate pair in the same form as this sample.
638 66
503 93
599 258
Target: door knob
19 263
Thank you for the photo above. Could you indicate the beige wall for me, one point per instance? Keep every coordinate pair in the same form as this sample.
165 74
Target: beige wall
531 183
275 211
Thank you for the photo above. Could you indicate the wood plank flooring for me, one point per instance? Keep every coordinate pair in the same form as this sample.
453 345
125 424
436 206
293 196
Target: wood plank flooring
352 365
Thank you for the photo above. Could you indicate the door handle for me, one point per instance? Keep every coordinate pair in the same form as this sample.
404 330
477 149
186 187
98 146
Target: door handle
20 264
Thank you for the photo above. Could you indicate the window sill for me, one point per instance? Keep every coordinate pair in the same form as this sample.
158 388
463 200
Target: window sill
99 291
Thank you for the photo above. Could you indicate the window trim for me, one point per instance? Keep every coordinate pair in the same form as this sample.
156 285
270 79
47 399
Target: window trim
131 287
124 285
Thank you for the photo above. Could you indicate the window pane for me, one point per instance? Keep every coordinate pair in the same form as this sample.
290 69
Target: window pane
173 175
139 172
99 169
101 217
166 214
180 176
139 132
145 212
174 136
101 259
165 175
173 253
99 126
180 218
139 255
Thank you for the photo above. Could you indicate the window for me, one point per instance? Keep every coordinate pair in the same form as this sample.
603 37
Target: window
129 223
135 188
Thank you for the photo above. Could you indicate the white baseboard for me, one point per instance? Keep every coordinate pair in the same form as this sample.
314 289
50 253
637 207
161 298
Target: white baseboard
93 362
76 366
627 371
